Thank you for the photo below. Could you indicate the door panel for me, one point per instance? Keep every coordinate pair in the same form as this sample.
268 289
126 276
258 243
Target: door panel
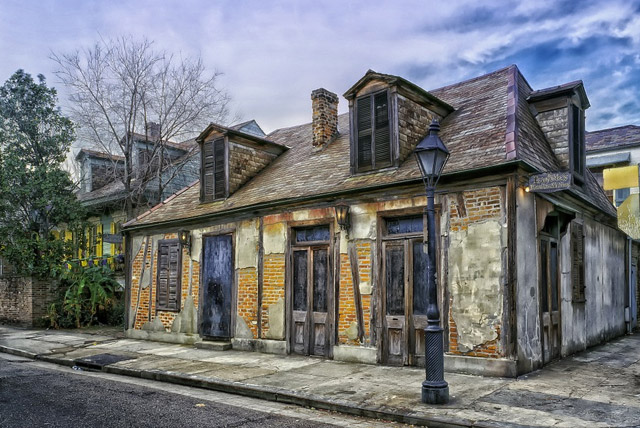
550 299
217 281
419 261
319 329
300 302
394 274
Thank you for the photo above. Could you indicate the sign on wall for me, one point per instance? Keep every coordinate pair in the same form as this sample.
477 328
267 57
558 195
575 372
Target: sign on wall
548 182
620 178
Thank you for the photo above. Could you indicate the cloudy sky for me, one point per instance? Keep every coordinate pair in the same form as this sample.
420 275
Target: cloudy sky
274 53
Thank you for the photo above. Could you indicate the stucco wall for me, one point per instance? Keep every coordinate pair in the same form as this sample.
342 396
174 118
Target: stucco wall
529 347
477 242
601 316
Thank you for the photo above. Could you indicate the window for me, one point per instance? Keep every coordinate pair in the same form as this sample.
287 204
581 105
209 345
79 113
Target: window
373 136
402 225
577 147
577 261
214 176
621 195
312 234
169 275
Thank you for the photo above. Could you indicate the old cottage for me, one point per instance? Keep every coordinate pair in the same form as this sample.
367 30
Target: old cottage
253 254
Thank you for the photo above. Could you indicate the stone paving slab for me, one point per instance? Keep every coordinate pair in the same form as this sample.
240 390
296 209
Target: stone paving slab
599 387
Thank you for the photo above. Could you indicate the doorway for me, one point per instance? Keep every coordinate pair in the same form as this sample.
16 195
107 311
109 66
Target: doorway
216 321
312 295
549 288
404 291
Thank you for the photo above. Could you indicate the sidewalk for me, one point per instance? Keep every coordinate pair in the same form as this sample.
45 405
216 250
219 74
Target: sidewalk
600 387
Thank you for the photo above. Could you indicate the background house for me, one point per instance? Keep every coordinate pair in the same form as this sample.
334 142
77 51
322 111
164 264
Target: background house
524 276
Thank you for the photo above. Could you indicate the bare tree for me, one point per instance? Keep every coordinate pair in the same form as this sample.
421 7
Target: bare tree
123 89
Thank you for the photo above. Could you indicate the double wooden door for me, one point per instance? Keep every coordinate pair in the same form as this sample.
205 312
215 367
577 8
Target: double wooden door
405 301
550 298
312 301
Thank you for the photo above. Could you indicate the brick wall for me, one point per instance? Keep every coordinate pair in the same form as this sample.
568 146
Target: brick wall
413 125
555 125
145 304
25 301
347 307
272 286
474 207
248 298
244 163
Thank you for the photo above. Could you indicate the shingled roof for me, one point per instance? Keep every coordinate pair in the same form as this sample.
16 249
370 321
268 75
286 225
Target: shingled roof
613 138
491 125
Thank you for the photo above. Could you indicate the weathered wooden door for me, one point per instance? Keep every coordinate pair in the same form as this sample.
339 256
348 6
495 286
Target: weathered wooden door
405 301
310 329
217 283
550 298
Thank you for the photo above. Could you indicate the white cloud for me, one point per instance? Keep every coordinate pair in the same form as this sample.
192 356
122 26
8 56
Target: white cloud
274 53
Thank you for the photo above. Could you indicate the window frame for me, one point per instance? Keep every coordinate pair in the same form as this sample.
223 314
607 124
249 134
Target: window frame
164 306
576 257
356 168
204 197
577 142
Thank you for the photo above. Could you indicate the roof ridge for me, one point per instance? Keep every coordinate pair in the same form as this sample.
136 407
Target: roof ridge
612 128
511 142
482 76
299 125
160 204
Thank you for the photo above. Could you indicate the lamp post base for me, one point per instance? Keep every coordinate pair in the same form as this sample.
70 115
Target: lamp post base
435 394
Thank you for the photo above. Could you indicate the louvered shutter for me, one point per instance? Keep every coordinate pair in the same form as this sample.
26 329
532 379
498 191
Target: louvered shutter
219 174
168 284
363 109
208 168
382 137
577 261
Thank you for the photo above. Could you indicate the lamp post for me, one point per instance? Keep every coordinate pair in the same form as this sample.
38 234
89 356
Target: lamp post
432 155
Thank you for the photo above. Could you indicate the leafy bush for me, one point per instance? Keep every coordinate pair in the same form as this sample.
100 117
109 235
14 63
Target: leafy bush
86 293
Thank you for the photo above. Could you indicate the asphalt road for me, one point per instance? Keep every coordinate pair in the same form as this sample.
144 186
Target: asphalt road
37 394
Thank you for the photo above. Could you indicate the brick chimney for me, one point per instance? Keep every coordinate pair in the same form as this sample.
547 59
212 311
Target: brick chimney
153 131
325 116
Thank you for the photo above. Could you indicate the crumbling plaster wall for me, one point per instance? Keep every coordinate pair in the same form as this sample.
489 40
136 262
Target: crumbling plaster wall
601 316
529 347
477 243
605 282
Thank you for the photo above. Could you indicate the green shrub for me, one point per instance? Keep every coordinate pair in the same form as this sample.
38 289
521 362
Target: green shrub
85 293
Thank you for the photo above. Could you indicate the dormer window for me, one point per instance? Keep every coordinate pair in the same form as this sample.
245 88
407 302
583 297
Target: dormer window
577 144
388 117
373 132
214 171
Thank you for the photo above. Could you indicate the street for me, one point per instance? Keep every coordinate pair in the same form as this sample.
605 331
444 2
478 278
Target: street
38 394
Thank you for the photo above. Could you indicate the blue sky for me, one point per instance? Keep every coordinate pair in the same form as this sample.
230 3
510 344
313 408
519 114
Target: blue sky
274 53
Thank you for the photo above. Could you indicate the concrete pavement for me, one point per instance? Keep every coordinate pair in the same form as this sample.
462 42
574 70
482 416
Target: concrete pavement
599 387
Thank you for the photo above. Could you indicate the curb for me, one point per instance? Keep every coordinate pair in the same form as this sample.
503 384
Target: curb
285 396
264 393
18 352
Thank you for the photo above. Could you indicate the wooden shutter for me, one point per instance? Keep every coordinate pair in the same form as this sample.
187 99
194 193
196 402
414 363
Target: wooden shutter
208 169
213 170
577 261
169 274
219 174
99 240
363 109
382 137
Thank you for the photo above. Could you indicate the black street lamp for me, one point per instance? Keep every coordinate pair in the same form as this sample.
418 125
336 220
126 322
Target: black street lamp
432 155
